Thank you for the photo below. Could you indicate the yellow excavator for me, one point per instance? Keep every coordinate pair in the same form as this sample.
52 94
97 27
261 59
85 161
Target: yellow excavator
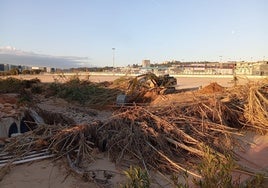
141 85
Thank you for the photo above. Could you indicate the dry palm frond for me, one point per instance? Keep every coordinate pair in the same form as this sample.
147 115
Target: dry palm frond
75 141
134 130
256 109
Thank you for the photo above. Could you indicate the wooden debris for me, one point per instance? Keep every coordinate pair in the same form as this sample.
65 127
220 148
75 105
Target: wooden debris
166 138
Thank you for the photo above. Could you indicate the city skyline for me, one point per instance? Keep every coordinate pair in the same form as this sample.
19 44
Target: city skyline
125 32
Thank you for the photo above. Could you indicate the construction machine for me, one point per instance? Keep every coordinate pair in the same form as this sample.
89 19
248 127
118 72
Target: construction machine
142 87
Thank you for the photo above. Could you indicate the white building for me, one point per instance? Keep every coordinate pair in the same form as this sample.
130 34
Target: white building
146 63
252 68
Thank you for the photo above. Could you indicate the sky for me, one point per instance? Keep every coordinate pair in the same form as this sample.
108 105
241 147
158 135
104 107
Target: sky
158 30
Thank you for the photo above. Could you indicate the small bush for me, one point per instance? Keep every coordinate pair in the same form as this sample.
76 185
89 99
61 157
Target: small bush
137 178
84 92
218 173
215 172
10 85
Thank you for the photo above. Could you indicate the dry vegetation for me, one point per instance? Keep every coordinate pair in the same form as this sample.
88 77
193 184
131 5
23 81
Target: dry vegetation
167 138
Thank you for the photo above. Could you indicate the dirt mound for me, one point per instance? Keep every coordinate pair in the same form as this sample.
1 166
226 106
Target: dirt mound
212 88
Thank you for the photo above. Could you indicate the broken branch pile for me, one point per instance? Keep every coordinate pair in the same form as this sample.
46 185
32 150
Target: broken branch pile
166 138
256 109
72 141
156 140
252 102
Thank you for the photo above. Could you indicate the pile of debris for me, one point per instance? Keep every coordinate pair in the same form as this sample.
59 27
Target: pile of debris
162 139
167 139
256 108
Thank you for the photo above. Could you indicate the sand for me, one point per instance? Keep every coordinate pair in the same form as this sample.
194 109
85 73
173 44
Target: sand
42 174
183 81
254 155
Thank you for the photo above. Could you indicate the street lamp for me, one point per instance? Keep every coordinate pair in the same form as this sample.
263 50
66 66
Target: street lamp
113 58
220 58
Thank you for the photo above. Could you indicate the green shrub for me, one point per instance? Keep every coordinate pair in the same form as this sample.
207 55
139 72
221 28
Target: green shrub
10 85
84 92
137 178
217 172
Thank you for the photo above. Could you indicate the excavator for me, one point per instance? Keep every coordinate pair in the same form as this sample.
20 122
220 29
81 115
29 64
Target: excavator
143 86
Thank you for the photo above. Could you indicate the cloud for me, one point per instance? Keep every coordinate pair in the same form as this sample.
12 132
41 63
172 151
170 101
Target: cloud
11 55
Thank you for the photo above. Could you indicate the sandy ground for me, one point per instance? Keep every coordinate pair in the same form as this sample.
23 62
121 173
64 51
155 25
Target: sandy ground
49 174
44 174
183 81
255 151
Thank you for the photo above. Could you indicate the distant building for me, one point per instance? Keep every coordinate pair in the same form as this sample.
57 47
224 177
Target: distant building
252 68
260 68
25 67
174 69
243 68
39 68
203 68
48 69
146 63
225 68
7 67
2 67
13 67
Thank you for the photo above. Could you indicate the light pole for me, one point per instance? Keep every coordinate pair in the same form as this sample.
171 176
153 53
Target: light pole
220 58
113 59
